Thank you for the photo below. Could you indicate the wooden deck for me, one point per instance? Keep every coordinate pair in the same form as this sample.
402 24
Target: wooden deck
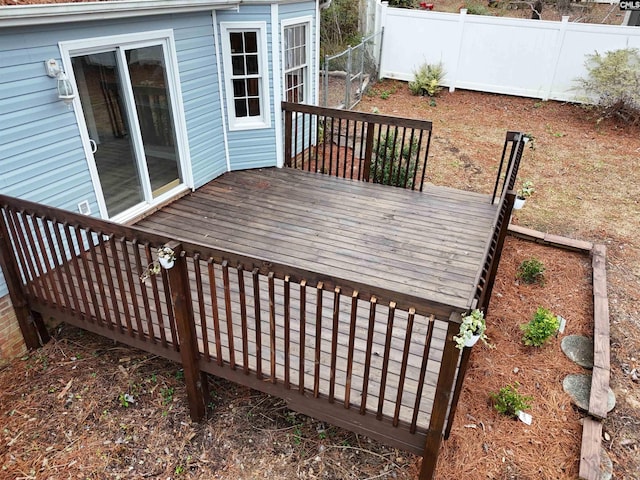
427 244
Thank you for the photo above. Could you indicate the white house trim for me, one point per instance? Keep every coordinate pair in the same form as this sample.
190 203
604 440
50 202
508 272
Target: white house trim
21 15
276 62
247 123
289 22
141 39
223 116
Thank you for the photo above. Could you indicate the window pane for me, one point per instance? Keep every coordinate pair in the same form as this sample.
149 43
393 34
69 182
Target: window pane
237 62
250 42
254 107
252 64
253 86
235 40
239 89
241 108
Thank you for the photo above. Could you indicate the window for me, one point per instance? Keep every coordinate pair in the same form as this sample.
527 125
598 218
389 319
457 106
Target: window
244 47
296 62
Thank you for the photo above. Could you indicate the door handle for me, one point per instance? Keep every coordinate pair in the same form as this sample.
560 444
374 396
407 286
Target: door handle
94 145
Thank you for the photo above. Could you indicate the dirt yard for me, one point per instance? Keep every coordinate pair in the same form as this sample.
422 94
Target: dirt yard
85 408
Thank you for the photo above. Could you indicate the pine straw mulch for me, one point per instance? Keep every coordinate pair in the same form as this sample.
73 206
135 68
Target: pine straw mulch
64 415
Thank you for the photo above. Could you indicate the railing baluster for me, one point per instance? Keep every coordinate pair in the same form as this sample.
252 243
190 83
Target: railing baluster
334 343
400 160
316 360
325 128
156 298
23 252
417 154
351 347
87 273
424 164
112 291
303 333
227 303
385 359
362 150
272 327
201 308
331 148
367 357
34 228
423 372
61 299
214 311
258 318
89 234
302 144
403 367
243 320
143 290
132 286
121 286
287 331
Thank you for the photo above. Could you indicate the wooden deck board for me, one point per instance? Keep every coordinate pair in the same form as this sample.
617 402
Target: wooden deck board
427 244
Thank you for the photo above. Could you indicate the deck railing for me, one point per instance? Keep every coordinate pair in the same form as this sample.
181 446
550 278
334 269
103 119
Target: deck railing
375 361
356 145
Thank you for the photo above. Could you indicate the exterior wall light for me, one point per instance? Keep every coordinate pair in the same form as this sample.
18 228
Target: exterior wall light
65 89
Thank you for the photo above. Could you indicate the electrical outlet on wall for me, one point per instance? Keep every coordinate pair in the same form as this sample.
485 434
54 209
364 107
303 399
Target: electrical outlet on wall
84 208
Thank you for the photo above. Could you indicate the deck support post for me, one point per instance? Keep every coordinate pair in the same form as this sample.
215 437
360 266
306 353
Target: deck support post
26 321
288 123
195 380
443 393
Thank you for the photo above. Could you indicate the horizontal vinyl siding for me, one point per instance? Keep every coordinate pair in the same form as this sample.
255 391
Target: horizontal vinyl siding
41 153
253 148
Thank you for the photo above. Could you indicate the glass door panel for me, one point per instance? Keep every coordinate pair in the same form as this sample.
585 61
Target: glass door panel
148 75
102 97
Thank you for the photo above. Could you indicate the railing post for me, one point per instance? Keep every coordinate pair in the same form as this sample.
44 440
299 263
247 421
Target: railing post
446 377
195 380
16 292
288 123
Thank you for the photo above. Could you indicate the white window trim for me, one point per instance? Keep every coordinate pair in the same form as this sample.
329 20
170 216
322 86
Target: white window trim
247 123
88 45
290 22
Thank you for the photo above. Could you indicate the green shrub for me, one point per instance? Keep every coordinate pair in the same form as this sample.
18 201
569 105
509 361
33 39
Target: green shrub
389 163
508 401
540 328
402 3
613 84
531 271
427 79
476 9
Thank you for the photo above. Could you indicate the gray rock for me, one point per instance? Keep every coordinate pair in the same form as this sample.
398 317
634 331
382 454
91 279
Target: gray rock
579 349
578 387
606 465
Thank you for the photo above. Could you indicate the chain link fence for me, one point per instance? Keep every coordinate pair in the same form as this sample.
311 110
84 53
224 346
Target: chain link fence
346 76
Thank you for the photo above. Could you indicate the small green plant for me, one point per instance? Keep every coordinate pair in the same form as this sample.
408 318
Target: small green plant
471 325
167 395
179 470
393 165
427 79
526 189
385 95
531 271
612 84
540 328
476 9
508 401
180 374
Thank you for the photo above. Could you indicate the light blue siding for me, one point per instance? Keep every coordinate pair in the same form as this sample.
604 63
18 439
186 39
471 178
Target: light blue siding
253 148
41 153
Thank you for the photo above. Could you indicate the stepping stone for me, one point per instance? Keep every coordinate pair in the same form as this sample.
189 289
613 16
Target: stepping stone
579 349
606 465
578 387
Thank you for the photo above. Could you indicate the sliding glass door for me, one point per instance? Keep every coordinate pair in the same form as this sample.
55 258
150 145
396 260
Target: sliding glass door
126 104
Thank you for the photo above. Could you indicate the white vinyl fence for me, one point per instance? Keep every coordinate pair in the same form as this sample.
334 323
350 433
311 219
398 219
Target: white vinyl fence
531 58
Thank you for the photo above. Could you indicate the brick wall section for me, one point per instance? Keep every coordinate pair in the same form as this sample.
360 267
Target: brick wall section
11 342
